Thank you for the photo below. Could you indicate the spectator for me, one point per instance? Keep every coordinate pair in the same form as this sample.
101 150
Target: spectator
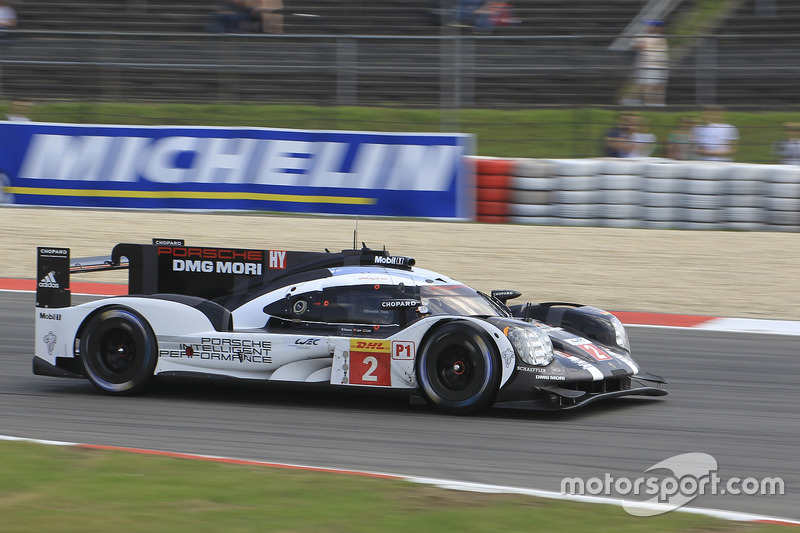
268 15
468 12
642 142
680 144
617 140
494 13
652 65
788 149
8 18
18 112
231 16
715 140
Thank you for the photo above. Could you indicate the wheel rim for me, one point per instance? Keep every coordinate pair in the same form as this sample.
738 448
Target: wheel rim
458 371
117 351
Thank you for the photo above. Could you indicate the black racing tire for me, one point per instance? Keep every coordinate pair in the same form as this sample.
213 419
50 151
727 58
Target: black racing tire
119 351
458 369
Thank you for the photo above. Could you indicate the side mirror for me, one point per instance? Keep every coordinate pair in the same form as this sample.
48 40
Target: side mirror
505 295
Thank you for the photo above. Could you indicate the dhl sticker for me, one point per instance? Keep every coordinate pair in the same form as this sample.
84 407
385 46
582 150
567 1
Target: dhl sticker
370 345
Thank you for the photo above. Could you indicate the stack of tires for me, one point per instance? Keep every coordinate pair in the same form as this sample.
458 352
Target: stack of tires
621 193
743 207
576 196
625 193
782 199
532 187
661 197
493 192
702 188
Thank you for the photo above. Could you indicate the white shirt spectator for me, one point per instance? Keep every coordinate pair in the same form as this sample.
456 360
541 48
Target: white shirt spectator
715 137
8 17
642 144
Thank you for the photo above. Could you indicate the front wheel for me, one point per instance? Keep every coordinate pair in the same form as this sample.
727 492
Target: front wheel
458 369
119 351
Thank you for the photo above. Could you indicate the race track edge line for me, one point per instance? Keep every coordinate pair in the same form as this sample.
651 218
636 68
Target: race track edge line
440 483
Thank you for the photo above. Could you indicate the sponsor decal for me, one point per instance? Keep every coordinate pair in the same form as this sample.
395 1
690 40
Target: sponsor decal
504 294
49 281
215 349
370 362
508 357
350 160
400 303
168 242
53 252
305 343
370 345
214 260
50 316
216 267
548 377
211 253
50 340
531 369
403 350
277 259
391 260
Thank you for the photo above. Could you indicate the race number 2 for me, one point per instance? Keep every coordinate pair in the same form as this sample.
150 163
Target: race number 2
370 363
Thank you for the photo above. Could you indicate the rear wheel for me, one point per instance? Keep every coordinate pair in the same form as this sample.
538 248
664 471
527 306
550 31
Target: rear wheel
458 369
119 351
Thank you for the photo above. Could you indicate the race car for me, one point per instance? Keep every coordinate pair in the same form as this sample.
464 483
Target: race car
357 318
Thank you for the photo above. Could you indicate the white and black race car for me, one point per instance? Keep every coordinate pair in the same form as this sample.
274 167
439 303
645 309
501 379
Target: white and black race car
360 318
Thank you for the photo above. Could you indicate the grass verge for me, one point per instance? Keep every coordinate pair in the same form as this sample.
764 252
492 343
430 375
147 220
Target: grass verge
534 133
63 489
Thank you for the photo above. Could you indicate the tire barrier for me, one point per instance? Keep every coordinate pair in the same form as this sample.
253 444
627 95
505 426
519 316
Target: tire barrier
493 192
645 193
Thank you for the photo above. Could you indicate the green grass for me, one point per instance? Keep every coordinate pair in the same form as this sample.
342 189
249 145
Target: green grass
60 489
535 133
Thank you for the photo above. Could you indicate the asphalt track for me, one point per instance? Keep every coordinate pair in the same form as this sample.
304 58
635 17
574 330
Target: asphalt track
732 395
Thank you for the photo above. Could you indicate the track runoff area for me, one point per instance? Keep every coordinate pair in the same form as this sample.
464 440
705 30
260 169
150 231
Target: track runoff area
742 325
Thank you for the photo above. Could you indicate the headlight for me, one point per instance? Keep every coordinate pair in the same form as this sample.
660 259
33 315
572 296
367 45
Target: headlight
621 334
532 345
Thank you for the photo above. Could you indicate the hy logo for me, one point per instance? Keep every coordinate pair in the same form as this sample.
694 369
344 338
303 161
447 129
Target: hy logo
49 281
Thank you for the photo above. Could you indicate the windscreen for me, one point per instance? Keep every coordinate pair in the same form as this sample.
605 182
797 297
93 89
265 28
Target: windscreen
456 300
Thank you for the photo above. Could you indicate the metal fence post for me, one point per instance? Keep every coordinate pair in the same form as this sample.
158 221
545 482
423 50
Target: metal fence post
449 79
706 72
346 71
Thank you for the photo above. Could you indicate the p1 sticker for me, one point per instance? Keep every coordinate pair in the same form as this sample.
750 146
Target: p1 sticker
403 350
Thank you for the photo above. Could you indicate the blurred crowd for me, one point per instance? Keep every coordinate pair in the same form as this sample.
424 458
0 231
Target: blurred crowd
247 16
8 17
711 139
481 15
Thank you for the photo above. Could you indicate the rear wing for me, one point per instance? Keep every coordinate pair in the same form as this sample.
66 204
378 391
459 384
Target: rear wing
53 271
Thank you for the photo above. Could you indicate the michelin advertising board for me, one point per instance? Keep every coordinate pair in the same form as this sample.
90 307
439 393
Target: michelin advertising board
334 172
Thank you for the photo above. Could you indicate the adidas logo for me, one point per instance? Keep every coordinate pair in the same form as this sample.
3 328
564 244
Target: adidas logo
49 281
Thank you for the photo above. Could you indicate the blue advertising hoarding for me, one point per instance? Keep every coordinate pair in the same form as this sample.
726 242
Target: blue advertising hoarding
305 171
